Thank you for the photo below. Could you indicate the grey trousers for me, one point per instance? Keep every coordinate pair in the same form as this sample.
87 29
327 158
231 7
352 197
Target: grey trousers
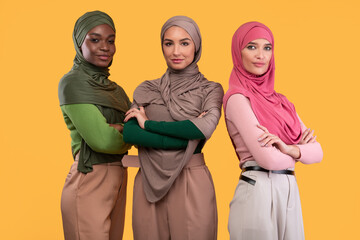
268 210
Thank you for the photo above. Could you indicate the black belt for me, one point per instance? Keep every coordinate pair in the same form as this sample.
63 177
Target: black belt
257 168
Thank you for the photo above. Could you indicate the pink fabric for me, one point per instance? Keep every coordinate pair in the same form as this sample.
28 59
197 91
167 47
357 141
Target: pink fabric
273 110
241 123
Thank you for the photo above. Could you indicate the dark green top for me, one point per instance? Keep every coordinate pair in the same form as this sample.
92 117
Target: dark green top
163 135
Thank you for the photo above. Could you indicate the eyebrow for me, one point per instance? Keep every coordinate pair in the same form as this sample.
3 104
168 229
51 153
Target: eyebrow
267 44
184 39
99 35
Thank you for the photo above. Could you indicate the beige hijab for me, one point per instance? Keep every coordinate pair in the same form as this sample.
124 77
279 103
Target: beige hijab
178 95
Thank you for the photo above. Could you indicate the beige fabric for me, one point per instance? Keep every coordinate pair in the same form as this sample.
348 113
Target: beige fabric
270 210
178 95
93 204
187 212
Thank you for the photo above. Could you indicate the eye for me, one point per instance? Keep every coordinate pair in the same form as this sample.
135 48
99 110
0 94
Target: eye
268 48
185 43
167 44
111 41
251 47
94 40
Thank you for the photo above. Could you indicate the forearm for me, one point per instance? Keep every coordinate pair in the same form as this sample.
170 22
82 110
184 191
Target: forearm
93 128
239 113
309 152
179 129
134 134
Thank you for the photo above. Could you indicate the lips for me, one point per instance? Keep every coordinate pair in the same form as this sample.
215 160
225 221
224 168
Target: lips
259 64
176 61
104 57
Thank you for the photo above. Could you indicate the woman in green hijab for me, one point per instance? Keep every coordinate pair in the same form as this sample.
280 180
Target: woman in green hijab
94 195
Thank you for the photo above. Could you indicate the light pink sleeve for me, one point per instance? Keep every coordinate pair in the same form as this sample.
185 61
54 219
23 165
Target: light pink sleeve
240 114
310 152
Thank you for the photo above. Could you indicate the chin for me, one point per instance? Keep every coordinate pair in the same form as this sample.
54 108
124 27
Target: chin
102 65
258 72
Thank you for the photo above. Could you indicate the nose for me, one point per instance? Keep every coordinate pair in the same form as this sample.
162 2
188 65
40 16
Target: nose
104 46
260 54
176 50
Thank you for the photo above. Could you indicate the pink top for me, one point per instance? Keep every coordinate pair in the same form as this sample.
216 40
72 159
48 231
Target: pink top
241 123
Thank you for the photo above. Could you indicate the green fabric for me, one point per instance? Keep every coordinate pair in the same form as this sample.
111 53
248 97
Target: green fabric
180 129
134 134
87 83
85 121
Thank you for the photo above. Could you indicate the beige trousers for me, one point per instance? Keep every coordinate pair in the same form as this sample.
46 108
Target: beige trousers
269 210
187 212
93 204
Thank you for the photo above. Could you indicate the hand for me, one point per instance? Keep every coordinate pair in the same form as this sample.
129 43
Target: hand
118 127
139 114
307 137
267 139
202 114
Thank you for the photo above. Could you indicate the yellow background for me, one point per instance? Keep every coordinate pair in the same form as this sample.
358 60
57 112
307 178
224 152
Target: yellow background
317 54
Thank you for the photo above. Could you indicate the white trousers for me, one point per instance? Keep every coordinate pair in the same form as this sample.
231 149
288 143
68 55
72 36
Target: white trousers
268 210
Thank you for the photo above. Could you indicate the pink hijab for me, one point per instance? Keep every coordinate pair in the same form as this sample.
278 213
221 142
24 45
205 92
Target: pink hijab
273 110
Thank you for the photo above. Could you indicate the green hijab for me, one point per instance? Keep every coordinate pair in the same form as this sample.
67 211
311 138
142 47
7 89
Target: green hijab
87 83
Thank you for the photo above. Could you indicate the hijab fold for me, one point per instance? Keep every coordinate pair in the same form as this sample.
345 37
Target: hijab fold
89 84
178 95
273 110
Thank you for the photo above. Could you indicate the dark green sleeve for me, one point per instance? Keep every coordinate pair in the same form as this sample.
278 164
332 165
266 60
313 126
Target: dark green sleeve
179 129
134 134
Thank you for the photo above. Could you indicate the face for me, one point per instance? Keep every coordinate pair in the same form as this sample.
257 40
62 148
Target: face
178 48
256 56
99 45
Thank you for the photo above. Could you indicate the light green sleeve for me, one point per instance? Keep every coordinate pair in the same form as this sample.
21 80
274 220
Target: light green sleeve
91 125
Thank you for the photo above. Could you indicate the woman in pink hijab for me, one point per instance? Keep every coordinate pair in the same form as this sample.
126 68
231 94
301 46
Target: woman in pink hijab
269 138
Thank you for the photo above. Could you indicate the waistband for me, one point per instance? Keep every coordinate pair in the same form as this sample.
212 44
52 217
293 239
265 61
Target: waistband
117 163
133 161
258 168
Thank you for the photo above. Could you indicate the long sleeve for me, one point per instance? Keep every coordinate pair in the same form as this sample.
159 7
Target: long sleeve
87 121
310 152
212 105
242 125
180 129
134 134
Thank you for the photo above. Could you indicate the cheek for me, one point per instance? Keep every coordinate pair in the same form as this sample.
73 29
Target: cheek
167 53
269 58
85 51
245 60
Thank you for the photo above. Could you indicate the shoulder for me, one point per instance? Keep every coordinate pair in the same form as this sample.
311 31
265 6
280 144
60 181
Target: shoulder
212 88
237 100
72 79
148 85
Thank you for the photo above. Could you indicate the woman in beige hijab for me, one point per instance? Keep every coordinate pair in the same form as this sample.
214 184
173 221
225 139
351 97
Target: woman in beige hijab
170 120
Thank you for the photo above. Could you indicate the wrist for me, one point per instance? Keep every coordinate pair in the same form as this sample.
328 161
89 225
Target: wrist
295 152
